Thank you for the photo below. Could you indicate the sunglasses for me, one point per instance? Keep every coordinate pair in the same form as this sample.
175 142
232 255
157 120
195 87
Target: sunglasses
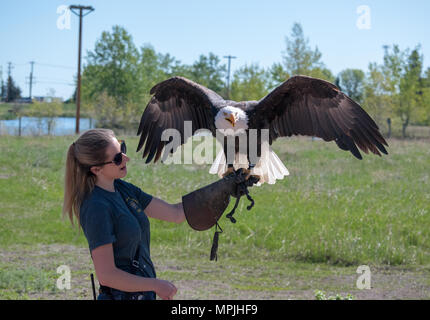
117 160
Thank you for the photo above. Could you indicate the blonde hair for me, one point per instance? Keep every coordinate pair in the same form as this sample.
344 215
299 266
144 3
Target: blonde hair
79 181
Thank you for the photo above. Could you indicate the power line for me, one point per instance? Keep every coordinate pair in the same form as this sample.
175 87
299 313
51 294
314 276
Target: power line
31 80
48 80
44 65
56 82
52 79
20 64
54 66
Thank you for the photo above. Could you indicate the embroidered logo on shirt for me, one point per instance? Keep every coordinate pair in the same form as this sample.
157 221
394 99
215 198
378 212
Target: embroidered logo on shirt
134 204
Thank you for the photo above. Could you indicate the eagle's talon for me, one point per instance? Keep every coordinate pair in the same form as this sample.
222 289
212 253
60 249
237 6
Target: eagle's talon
247 173
229 171
256 177
252 179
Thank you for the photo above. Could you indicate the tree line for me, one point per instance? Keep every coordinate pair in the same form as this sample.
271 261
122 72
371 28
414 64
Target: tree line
118 76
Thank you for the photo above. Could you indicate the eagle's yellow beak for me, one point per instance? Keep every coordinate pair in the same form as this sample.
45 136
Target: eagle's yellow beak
231 119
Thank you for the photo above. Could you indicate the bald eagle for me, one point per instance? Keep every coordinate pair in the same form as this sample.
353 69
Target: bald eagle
300 106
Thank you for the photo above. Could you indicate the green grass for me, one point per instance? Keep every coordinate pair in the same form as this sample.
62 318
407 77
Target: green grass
333 211
17 283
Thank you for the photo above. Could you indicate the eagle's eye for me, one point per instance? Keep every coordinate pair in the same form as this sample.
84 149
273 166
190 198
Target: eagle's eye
224 113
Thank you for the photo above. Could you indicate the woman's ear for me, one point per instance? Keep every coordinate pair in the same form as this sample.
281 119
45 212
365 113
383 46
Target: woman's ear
95 170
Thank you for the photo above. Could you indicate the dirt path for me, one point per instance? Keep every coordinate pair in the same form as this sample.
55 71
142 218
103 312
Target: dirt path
37 268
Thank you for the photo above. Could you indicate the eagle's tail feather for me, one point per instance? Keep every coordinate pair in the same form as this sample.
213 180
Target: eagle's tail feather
219 165
269 168
279 168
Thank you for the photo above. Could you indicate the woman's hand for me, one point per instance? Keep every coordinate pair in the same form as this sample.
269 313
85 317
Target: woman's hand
165 290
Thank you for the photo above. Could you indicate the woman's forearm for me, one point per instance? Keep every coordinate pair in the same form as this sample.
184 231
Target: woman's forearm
160 209
180 215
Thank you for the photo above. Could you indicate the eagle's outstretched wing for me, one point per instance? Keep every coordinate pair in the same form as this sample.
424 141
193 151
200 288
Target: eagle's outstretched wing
313 107
176 100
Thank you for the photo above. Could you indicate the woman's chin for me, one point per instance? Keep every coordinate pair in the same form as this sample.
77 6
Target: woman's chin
123 173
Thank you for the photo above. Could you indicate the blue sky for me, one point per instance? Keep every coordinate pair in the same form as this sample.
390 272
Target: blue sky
253 31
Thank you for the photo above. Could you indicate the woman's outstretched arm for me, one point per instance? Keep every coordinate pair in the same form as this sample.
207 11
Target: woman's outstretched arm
162 210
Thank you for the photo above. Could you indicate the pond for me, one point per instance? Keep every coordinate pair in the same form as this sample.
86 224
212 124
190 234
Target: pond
43 126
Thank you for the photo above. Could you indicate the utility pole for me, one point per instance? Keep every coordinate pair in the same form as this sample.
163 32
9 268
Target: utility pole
228 74
9 69
31 78
78 94
9 82
1 84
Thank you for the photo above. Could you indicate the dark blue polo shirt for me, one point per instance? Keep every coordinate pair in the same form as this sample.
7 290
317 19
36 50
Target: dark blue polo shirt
106 218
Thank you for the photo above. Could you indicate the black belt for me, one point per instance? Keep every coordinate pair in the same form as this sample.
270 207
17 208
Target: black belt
115 294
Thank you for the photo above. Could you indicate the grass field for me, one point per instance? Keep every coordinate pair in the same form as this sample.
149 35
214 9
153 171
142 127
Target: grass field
307 232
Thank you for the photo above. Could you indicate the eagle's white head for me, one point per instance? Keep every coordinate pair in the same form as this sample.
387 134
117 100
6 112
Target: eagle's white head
231 118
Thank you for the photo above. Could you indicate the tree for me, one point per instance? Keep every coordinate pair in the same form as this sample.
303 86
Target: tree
112 66
2 86
13 92
276 75
249 83
398 85
112 71
2 91
351 81
426 96
426 78
322 73
208 71
392 68
377 101
299 58
403 82
46 112
410 87
152 67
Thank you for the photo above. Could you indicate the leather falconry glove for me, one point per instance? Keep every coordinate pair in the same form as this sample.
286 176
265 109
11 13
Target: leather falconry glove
205 206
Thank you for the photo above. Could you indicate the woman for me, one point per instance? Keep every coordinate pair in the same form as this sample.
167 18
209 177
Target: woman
114 217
